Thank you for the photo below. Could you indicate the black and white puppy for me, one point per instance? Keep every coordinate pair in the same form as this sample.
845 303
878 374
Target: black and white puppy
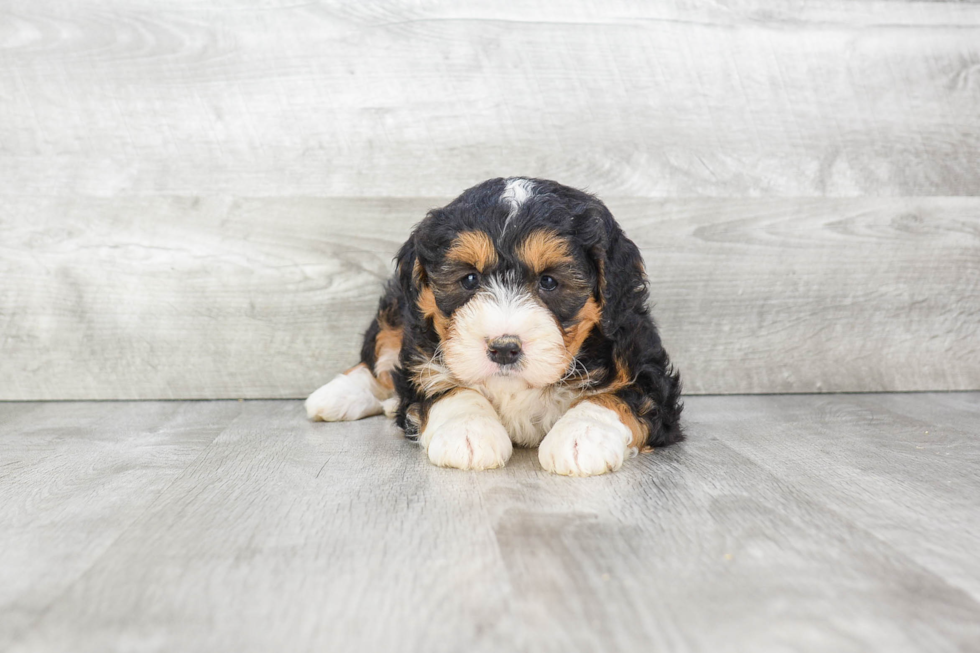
517 315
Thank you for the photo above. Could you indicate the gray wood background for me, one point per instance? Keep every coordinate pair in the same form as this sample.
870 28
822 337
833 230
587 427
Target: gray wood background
200 200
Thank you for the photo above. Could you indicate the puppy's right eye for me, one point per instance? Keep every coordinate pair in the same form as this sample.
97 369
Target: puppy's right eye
470 281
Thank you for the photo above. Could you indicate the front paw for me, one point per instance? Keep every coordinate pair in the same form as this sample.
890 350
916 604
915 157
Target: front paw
587 440
473 442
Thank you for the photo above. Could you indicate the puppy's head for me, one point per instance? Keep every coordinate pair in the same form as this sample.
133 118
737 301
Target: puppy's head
510 279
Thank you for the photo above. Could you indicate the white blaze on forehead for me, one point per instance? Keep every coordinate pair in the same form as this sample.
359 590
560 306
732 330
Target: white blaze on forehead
516 192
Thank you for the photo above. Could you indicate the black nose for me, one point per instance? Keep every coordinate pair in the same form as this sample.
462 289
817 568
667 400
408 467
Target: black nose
505 350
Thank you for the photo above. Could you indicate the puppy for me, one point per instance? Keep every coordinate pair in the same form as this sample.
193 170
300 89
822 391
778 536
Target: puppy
517 315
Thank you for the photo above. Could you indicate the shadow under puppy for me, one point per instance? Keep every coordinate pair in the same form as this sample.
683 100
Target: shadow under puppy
517 315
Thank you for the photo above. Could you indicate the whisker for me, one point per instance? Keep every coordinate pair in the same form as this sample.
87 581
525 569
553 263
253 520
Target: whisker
429 372
572 372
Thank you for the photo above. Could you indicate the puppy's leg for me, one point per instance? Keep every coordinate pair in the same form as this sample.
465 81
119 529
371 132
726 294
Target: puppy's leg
462 430
365 389
352 395
593 437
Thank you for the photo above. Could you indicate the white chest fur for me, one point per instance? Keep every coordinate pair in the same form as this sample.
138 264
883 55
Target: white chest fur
527 413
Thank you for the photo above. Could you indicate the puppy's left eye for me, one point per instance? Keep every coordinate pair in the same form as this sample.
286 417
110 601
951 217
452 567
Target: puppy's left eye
547 283
470 281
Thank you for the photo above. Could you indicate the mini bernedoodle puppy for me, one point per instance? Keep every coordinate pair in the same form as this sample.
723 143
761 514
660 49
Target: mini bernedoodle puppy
517 315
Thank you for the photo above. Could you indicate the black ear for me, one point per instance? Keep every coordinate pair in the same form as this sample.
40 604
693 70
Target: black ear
654 389
407 269
421 247
411 258
621 285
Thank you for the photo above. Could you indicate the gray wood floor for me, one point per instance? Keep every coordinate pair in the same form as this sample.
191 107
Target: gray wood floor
812 523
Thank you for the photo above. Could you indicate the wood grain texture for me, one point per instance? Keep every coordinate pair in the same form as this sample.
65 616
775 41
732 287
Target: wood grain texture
148 298
399 99
872 479
73 478
804 523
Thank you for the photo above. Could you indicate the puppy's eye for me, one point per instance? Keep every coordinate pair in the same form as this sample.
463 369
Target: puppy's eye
547 283
470 281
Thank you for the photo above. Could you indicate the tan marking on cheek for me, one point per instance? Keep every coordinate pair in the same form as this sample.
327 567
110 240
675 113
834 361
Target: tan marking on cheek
544 249
639 430
430 375
588 316
473 248
430 310
387 343
432 381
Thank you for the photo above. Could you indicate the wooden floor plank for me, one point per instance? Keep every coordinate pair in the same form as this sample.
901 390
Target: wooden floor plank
903 467
778 525
340 523
73 477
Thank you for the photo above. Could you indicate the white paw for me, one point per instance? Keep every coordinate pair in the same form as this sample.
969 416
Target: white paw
463 431
587 440
347 397
470 443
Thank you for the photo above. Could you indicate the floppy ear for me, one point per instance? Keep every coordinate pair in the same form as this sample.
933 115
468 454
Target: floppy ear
420 247
653 389
407 284
408 269
621 285
410 260
419 305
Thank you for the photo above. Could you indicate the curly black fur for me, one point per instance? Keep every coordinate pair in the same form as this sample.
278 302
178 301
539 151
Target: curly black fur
626 343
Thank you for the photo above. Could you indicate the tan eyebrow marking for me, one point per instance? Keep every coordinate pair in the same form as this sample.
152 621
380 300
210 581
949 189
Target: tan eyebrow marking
473 248
544 249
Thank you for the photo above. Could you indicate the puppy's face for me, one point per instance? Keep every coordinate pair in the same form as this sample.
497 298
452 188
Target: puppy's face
510 293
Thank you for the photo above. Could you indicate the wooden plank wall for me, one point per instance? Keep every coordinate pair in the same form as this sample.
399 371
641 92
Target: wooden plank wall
200 200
